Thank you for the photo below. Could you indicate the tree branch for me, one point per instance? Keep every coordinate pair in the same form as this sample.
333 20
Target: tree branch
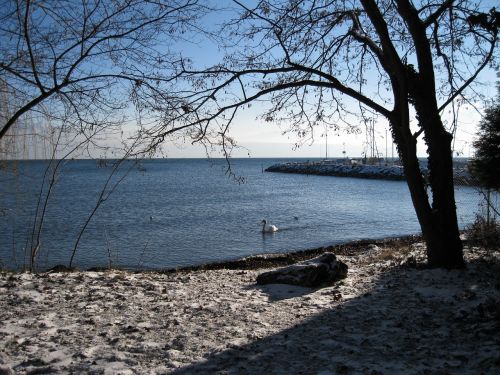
472 78
419 36
12 120
434 16
358 33
30 50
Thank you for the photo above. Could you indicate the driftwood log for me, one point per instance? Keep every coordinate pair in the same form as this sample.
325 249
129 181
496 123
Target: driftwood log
319 271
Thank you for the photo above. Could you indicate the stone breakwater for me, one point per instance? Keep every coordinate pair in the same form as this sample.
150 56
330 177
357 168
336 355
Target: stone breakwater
389 172
340 170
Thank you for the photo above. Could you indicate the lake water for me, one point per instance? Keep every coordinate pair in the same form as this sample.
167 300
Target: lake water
177 212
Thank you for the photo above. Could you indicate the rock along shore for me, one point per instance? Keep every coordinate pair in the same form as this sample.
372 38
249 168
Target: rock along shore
384 172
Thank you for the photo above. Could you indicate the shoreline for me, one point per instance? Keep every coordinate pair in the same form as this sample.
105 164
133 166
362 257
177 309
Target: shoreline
250 262
272 260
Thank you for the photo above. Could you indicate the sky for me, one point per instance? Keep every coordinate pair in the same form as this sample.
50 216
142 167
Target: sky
261 139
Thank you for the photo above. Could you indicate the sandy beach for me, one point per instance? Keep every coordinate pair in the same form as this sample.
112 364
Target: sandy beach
389 316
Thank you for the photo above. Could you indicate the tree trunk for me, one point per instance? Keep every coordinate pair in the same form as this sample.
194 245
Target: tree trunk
444 247
439 221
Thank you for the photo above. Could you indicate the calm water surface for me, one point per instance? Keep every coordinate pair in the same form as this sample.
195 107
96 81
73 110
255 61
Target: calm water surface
177 212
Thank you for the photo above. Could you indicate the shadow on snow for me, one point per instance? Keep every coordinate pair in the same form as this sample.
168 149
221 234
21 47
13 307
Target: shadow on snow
412 321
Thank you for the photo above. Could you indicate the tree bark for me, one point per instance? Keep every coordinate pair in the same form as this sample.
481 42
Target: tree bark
439 220
444 247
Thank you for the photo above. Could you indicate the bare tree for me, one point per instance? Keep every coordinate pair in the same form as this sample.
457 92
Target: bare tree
342 63
88 58
90 67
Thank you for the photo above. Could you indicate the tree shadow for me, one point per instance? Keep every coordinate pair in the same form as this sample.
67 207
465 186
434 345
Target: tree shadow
410 322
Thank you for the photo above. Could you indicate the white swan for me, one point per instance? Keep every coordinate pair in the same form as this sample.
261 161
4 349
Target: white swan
268 228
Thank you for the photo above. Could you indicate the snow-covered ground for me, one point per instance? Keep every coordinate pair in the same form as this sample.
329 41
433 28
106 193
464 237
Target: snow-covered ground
384 318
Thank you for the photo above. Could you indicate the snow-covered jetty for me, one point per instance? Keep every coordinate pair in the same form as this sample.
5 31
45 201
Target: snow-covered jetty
325 168
384 172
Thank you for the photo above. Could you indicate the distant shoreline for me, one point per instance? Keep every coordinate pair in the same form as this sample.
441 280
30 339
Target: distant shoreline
380 172
461 160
